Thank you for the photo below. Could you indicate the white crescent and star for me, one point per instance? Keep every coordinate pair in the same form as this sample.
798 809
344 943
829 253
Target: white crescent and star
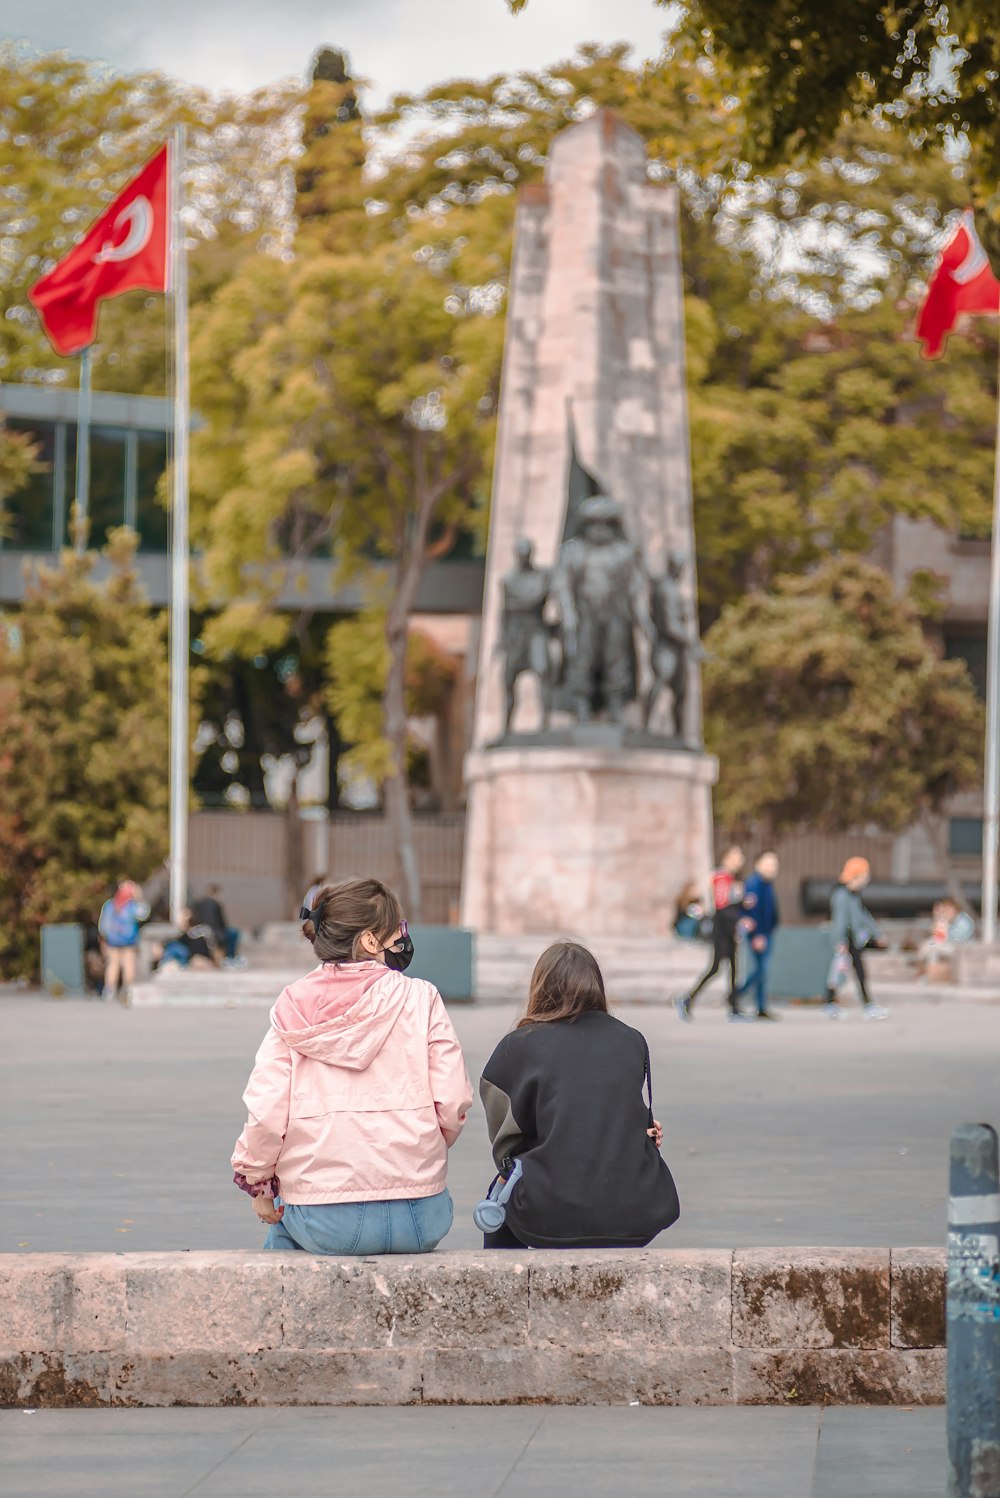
137 218
976 258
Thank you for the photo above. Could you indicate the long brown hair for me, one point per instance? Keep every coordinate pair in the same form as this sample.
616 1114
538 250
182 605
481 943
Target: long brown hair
344 912
566 983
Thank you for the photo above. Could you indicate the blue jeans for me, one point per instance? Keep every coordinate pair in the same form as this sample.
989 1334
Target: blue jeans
176 951
395 1227
756 978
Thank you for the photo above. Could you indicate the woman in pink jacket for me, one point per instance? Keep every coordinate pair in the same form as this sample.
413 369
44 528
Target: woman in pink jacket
357 1093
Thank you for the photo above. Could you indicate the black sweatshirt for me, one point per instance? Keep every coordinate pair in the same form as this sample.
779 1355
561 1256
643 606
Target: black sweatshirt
566 1098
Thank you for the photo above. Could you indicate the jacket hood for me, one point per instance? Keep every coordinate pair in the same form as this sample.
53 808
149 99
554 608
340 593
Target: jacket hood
341 1013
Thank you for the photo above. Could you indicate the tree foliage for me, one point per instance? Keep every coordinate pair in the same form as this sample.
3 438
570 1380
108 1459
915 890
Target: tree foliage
813 418
71 135
827 707
19 461
83 747
348 399
357 667
801 69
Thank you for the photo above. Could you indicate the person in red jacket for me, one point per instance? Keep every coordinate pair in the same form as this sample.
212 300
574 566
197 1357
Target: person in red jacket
730 868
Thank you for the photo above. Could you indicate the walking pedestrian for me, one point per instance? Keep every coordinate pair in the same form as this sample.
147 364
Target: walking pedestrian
729 923
852 930
119 923
563 1094
766 918
729 870
357 1094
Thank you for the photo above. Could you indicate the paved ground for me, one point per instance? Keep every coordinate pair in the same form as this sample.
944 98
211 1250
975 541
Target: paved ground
798 1132
472 1453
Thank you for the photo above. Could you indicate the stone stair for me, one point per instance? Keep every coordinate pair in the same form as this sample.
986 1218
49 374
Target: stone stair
636 970
646 970
640 970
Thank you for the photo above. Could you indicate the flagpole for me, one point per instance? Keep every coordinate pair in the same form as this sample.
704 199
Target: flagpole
82 495
179 748
991 790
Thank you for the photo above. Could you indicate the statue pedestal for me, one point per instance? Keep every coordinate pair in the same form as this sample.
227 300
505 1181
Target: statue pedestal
584 839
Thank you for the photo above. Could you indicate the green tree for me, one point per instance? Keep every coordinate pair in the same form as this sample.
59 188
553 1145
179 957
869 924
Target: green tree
83 747
19 460
813 418
348 400
828 708
71 135
801 69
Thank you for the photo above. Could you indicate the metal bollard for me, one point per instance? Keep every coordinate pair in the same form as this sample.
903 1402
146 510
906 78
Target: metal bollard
973 1314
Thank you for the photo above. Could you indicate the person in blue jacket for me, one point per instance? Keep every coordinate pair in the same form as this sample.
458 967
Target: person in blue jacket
119 923
766 918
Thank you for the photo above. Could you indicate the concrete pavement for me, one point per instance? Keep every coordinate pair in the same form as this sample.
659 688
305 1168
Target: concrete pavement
803 1132
486 1453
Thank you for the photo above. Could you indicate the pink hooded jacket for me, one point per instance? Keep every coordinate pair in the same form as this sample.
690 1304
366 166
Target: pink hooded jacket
358 1090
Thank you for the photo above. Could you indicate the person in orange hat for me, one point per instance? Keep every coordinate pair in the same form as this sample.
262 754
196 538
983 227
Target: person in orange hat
853 928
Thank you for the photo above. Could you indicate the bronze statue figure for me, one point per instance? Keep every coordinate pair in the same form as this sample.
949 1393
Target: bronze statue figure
524 634
676 644
602 594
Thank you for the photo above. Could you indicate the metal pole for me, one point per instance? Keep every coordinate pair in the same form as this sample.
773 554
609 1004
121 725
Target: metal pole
179 749
973 1314
991 789
82 496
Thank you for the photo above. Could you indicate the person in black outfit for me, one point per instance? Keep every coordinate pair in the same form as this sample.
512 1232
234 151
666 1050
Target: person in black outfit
727 925
563 1094
208 911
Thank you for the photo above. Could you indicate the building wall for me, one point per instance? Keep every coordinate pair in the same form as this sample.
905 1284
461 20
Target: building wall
247 854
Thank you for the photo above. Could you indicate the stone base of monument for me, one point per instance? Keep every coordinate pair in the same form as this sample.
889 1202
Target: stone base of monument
583 838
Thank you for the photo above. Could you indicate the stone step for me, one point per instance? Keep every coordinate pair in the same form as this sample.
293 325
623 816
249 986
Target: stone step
642 970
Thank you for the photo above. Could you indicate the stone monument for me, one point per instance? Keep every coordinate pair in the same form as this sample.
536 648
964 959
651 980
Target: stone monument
589 792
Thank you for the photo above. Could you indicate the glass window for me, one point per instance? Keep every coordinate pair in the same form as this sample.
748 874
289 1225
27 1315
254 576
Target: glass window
965 836
108 450
151 517
28 513
971 649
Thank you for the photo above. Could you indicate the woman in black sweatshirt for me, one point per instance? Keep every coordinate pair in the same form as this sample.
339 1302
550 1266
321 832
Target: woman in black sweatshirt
563 1094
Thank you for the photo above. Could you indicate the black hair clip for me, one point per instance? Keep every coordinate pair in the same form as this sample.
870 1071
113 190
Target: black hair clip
305 914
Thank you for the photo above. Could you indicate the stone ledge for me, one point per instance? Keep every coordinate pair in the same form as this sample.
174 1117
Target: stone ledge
661 1326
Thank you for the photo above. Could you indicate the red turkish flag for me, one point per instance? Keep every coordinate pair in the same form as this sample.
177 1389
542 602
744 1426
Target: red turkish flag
125 249
962 281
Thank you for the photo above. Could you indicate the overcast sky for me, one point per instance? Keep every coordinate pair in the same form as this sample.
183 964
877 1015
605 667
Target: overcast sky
397 44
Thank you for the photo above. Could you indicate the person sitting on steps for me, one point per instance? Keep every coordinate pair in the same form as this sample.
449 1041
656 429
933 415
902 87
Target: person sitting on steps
563 1094
358 1092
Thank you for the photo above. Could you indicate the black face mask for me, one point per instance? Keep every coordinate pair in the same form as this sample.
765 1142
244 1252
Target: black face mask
400 954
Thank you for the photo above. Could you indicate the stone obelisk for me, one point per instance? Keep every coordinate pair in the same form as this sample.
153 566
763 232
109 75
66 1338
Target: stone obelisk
589 831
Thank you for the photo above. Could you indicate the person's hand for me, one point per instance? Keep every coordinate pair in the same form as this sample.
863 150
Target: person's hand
656 1133
881 942
842 949
266 1210
759 943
